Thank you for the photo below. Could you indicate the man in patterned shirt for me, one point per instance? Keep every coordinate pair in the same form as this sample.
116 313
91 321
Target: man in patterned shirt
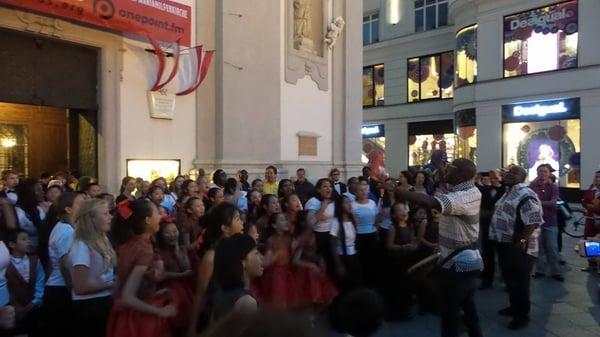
458 234
515 228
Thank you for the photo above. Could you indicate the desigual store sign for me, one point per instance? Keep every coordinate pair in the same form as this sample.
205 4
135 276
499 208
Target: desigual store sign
162 20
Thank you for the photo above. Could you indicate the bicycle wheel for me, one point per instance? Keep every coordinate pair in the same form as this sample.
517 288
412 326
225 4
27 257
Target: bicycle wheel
576 225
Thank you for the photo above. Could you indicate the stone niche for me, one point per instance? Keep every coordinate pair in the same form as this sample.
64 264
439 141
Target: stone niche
306 51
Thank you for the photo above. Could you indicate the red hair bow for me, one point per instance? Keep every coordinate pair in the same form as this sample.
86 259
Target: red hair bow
124 210
167 219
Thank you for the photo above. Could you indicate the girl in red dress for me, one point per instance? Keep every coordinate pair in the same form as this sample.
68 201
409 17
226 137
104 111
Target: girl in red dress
291 205
178 274
139 310
276 287
315 286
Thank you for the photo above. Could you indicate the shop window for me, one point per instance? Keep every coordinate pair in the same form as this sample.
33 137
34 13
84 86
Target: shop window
14 147
373 154
373 86
426 137
370 29
430 77
466 135
430 14
466 56
544 139
542 39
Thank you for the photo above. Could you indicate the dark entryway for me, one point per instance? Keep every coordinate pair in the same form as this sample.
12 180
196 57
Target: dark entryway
48 105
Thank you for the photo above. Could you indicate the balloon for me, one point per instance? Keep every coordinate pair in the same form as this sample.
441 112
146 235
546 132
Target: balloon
511 63
465 132
412 140
557 133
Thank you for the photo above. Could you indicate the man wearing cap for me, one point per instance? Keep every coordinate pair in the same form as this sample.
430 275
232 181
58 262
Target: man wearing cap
547 192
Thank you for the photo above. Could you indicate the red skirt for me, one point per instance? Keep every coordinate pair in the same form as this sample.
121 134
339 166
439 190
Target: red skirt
182 297
125 322
276 288
314 287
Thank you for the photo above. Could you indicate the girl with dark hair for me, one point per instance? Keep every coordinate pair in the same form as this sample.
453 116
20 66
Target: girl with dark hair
188 222
176 186
222 221
237 263
401 245
178 274
311 273
420 183
188 189
269 205
277 288
232 191
291 205
128 185
57 295
29 212
53 192
215 197
156 195
285 188
139 310
384 205
345 262
323 205
169 200
254 198
405 180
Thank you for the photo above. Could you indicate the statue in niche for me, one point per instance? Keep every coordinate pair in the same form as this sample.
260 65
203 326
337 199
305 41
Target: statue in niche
303 26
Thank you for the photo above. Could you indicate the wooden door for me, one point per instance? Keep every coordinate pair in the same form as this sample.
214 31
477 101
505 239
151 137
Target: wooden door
47 143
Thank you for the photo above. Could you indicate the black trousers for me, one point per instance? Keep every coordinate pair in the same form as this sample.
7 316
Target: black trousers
516 266
91 316
458 293
323 241
353 277
57 312
369 256
488 254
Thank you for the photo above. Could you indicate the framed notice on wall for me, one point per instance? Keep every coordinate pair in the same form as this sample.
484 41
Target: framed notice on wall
162 104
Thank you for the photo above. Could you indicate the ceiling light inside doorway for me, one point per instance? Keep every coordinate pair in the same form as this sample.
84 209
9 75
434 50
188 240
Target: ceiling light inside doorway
8 142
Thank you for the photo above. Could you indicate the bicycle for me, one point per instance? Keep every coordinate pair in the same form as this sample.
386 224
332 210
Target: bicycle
575 224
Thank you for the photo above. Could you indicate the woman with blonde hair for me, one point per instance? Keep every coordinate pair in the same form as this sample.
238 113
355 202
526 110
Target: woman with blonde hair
92 268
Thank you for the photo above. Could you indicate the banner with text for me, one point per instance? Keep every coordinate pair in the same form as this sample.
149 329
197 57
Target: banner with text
164 20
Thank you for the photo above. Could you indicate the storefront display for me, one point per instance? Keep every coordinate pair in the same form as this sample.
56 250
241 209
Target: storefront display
152 169
466 134
466 56
373 154
541 39
430 77
373 86
545 132
426 137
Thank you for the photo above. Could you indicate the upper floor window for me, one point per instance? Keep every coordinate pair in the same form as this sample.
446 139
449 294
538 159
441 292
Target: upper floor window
430 14
541 39
370 29
430 77
466 56
373 82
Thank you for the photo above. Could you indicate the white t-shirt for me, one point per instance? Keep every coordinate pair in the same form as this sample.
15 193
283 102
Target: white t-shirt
4 261
365 215
324 225
350 233
82 255
28 226
61 240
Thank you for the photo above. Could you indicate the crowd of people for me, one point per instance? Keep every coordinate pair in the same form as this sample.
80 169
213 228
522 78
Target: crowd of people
174 259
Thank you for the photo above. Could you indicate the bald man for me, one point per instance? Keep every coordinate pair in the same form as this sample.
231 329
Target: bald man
458 234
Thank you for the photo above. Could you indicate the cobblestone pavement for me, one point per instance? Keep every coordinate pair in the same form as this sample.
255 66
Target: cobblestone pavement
569 309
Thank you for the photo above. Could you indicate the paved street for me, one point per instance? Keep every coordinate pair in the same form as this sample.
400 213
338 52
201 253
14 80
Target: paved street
569 309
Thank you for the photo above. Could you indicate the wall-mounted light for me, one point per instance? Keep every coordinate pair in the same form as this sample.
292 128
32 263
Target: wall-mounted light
394 11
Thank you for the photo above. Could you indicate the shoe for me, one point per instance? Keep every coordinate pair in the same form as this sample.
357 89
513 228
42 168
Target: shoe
518 323
538 275
558 277
506 312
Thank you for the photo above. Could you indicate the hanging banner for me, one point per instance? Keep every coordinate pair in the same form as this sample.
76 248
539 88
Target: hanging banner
163 20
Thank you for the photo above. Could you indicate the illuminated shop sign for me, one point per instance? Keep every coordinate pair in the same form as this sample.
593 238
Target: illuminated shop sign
373 131
543 110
